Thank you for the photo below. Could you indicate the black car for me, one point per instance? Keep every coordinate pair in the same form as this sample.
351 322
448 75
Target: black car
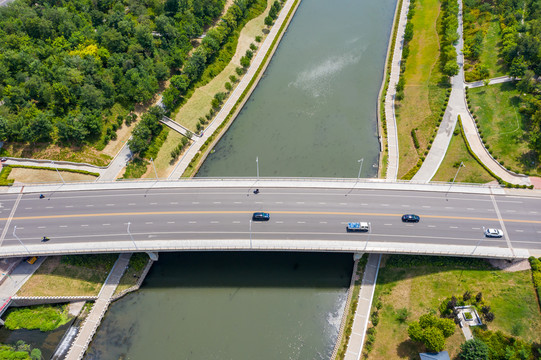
261 216
411 218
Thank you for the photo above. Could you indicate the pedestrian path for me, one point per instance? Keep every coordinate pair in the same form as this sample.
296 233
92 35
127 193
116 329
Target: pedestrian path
198 142
364 304
93 320
457 106
116 166
392 135
497 80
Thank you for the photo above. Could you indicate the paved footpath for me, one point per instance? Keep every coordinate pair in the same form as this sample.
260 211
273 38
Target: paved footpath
392 136
86 332
457 107
364 304
226 109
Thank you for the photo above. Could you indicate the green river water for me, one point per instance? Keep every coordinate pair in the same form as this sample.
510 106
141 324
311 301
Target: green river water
312 114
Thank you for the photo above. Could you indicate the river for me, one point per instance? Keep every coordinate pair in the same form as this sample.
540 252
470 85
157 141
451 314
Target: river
312 114
314 111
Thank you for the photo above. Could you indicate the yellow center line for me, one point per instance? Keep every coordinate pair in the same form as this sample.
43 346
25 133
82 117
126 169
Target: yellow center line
249 212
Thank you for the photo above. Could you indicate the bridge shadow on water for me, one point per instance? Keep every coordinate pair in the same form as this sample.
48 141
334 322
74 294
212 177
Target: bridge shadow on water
250 269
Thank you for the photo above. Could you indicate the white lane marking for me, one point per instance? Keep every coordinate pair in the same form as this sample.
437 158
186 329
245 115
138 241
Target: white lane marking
453 227
63 226
388 224
322 222
69 206
258 202
533 212
343 203
89 205
41 227
131 204
322 203
28 208
406 206
195 202
279 202
476 228
236 222
384 204
301 222
409 225
84 225
279 222
110 205
216 202
539 232
426 206
20 228
214 222
174 203
431 226
300 202
237 202
193 222
149 223
170 222
519 230
153 203
363 204
48 207
470 209
105 224
513 211
449 207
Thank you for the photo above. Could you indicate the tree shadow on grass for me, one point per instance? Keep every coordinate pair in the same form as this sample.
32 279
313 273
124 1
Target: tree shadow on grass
409 349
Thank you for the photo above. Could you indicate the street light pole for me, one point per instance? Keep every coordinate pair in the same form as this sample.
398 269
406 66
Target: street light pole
360 168
452 182
154 167
14 229
257 165
131 237
58 172
250 233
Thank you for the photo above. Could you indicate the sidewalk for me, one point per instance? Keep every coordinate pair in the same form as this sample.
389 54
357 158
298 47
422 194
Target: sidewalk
93 320
457 107
497 80
392 136
198 142
362 313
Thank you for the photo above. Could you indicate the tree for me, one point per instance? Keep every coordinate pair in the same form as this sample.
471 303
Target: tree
466 296
415 331
518 67
525 84
479 297
474 350
268 21
433 339
450 68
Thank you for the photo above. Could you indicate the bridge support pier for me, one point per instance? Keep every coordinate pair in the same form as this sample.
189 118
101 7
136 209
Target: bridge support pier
357 256
1 322
153 256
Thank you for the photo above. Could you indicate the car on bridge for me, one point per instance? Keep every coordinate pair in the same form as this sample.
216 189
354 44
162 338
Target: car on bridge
261 216
493 233
410 218
358 226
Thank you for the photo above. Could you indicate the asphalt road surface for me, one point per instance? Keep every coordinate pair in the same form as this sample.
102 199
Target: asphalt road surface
295 215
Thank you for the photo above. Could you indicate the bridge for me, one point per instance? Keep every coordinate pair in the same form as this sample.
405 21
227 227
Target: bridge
305 215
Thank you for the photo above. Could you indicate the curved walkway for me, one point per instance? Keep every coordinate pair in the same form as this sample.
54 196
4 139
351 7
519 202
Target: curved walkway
457 107
392 137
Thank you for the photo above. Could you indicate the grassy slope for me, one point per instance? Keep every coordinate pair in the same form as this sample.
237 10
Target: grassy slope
502 125
423 97
472 172
54 278
489 55
29 176
421 289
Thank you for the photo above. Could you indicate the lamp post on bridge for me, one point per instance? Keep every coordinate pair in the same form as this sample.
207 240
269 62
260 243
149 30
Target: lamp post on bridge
58 172
15 235
131 237
358 176
257 166
452 182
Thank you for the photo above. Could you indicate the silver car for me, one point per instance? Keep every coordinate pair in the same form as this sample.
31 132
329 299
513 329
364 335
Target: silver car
493 233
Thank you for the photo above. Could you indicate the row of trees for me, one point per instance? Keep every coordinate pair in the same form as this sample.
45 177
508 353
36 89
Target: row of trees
408 35
449 36
205 53
64 63
431 331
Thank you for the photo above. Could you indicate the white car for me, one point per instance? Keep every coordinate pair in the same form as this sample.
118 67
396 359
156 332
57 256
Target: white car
493 233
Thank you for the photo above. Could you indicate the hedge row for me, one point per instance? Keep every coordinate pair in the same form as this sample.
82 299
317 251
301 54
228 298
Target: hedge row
536 276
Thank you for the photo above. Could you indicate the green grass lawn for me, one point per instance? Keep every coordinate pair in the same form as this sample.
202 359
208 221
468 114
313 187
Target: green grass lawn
503 127
423 94
491 47
421 285
457 152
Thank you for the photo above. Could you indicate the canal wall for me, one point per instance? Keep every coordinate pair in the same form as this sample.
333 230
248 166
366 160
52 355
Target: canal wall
136 286
19 301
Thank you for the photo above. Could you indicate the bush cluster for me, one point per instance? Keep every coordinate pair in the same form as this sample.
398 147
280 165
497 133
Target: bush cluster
536 275
146 130
178 150
408 35
448 31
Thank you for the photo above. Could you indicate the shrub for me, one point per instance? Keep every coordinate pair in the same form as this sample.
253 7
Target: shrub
239 71
466 296
228 86
402 315
489 317
258 38
253 47
233 79
374 318
249 54
414 137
